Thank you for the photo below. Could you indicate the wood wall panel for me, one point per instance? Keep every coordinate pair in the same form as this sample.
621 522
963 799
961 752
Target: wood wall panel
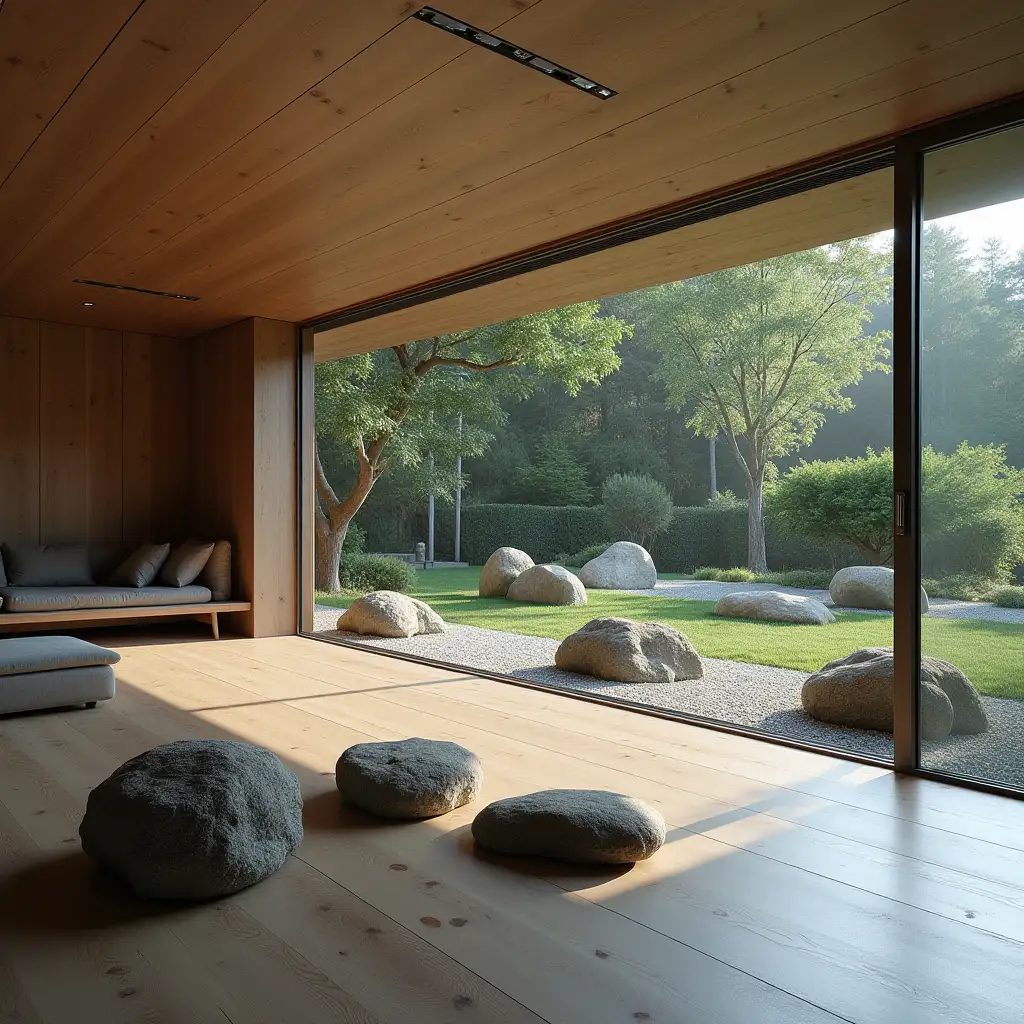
19 429
104 437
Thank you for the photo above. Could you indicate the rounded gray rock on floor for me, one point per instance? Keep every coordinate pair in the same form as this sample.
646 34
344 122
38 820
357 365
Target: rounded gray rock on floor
390 614
774 606
409 779
501 570
195 819
548 584
588 826
629 652
622 566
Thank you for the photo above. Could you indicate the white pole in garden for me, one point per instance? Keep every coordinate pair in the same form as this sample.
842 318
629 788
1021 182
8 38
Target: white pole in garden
458 498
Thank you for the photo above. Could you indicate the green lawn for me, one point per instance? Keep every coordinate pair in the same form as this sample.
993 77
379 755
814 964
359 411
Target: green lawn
990 653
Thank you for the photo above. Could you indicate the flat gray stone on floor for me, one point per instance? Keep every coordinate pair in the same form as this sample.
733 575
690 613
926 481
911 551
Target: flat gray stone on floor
774 606
589 826
409 779
389 613
501 569
548 584
622 566
632 652
195 819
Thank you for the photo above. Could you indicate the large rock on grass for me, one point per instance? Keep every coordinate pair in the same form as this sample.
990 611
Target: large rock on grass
858 691
548 584
629 652
414 778
195 819
774 606
501 569
388 613
623 566
867 586
588 826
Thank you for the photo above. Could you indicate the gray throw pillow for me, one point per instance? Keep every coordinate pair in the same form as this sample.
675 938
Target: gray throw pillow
139 569
32 565
216 574
185 563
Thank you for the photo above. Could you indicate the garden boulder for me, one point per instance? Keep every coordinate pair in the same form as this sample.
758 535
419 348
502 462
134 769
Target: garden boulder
195 819
858 691
548 584
774 606
867 586
388 613
588 826
414 778
629 652
623 566
501 569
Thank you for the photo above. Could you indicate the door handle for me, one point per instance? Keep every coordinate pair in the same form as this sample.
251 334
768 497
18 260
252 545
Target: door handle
900 513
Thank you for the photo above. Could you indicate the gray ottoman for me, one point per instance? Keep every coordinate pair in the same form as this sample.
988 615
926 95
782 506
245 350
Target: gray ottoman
39 672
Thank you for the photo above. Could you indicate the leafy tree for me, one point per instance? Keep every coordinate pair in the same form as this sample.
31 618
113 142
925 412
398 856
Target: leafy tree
760 352
399 405
637 507
557 477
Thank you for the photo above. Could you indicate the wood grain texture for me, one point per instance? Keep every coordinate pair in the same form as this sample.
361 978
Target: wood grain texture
19 430
287 159
779 896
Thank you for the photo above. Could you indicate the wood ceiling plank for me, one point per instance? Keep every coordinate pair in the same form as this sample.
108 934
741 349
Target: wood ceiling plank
47 47
720 140
161 47
409 158
230 99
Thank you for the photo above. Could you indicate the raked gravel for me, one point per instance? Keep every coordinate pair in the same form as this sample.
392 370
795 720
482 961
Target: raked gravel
755 696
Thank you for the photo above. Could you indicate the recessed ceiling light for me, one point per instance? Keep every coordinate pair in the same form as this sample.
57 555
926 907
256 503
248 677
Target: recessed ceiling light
133 288
497 45
88 303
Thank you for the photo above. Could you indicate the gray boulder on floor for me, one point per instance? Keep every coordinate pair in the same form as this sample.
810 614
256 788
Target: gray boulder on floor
388 613
195 819
622 566
629 652
501 569
587 826
867 586
548 584
858 691
413 778
774 606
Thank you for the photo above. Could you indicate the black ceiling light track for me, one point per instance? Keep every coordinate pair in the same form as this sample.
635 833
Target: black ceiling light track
529 59
141 291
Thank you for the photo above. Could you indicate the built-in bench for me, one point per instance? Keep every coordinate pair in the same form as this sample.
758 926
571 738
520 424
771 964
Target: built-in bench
17 622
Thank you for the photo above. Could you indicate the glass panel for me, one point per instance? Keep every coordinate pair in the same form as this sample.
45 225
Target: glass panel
731 413
972 436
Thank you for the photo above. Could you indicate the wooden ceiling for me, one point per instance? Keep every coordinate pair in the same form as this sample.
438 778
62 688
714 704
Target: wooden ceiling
288 158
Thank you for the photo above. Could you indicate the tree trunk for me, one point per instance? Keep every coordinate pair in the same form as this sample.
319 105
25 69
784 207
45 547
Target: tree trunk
757 559
329 543
332 521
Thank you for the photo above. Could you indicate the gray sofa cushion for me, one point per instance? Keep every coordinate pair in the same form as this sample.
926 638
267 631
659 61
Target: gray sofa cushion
139 569
51 653
60 599
60 688
32 565
216 573
185 563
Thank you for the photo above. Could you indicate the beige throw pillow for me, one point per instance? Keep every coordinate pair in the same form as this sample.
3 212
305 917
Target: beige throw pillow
216 574
140 568
185 563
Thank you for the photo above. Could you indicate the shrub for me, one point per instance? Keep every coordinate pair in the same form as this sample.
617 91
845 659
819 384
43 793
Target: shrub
736 574
542 531
580 558
1007 596
961 587
725 500
638 508
557 477
375 572
355 540
803 579
706 572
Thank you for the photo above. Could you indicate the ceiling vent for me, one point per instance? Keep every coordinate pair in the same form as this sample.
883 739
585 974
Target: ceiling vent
141 291
527 58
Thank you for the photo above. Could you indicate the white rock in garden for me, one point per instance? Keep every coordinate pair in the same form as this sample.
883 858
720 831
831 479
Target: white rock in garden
414 778
587 826
195 819
623 566
388 613
858 690
774 606
867 586
501 569
629 652
548 584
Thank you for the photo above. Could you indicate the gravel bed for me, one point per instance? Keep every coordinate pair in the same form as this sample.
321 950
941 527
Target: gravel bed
756 696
